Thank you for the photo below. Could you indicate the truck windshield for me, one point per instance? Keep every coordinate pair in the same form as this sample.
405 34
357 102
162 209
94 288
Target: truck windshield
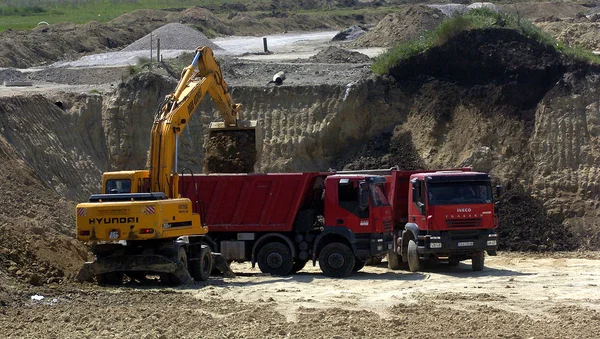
378 195
115 186
452 193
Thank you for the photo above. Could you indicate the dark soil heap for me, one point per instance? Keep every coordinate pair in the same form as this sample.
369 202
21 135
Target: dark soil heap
525 225
384 151
230 152
336 55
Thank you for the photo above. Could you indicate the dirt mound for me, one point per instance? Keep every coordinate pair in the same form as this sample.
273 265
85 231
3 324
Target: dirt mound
11 74
173 36
408 24
336 55
37 245
349 34
583 34
205 19
384 151
525 225
230 152
533 10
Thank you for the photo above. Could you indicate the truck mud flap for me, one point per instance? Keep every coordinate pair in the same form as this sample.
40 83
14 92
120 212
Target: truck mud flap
134 263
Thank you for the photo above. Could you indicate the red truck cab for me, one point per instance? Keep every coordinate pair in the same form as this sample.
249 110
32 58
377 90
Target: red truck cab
446 215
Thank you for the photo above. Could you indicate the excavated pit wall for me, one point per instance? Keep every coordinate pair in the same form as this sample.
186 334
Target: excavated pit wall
555 155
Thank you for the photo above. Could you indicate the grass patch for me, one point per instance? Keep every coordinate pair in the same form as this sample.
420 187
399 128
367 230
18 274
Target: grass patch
25 14
475 19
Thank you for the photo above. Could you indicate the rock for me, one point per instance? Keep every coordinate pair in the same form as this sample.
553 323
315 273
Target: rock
36 280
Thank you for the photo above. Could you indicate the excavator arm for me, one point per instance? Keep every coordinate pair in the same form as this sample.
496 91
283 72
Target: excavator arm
202 76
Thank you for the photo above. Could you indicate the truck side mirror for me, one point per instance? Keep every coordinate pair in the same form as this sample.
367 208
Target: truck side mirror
498 190
363 196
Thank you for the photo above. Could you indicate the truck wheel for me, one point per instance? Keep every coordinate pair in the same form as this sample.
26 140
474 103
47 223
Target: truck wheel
298 265
336 260
201 267
275 258
110 278
394 260
358 265
414 263
477 261
453 262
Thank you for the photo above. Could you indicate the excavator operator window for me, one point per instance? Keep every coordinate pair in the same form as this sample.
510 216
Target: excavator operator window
116 186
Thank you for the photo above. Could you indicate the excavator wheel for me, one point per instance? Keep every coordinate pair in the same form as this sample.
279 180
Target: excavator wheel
201 266
181 275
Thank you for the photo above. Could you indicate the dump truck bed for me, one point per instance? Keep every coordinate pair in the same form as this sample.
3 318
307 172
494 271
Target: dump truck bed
250 202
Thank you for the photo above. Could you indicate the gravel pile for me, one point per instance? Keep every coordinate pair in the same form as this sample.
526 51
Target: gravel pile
173 36
11 74
349 34
336 55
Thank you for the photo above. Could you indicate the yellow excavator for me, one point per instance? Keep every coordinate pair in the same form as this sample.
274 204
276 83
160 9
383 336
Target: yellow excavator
139 225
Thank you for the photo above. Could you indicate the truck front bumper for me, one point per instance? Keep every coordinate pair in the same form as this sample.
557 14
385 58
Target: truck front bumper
445 243
373 245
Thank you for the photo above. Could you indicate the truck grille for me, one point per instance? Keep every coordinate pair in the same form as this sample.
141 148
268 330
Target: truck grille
474 222
387 225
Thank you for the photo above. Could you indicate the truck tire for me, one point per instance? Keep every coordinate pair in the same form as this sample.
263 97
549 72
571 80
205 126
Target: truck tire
276 259
298 265
110 278
414 263
394 260
201 267
336 260
453 261
477 261
358 265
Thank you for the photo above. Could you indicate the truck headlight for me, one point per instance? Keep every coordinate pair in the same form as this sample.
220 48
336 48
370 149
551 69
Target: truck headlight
491 242
435 245
380 247
493 235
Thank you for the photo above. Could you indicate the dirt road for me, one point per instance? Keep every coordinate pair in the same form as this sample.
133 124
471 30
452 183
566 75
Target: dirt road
516 296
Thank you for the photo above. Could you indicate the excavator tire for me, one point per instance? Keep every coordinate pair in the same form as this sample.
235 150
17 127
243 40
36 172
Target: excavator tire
181 275
201 267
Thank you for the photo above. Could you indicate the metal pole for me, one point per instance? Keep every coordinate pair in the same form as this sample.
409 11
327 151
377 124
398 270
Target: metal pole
265 45
150 50
157 50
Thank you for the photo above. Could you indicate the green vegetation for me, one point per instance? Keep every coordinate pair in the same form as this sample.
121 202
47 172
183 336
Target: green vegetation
26 14
475 19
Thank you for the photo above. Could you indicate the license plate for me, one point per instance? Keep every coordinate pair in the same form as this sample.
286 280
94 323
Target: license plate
465 243
113 235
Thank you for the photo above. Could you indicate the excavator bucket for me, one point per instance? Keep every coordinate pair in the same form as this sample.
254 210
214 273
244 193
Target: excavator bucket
232 149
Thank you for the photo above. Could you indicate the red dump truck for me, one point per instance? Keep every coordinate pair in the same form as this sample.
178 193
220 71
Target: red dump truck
441 215
283 220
